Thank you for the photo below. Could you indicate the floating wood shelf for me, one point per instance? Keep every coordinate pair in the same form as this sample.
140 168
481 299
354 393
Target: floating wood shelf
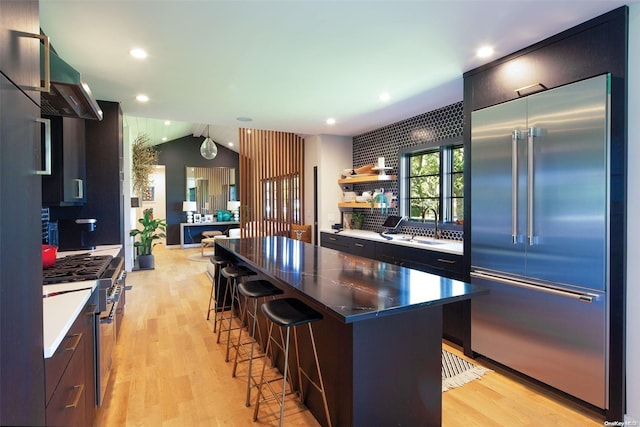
368 178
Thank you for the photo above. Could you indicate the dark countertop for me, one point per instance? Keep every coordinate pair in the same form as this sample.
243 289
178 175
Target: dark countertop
350 287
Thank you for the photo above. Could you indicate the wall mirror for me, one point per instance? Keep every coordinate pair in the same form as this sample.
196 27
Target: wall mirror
210 188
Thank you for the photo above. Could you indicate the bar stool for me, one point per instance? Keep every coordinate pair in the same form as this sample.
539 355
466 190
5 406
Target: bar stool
233 274
219 263
289 313
254 289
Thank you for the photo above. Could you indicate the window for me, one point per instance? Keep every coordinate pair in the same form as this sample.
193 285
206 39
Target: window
282 198
431 179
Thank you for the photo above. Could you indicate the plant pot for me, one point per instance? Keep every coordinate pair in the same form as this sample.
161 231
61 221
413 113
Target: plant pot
357 224
146 262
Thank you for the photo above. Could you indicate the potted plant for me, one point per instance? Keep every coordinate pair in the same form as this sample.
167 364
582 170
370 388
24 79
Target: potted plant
357 218
152 229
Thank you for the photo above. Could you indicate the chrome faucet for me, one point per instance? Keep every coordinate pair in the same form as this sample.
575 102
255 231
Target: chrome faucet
436 235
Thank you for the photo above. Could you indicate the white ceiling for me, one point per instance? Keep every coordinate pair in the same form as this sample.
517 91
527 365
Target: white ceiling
290 65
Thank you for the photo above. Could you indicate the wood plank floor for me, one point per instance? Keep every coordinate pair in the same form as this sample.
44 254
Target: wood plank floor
169 371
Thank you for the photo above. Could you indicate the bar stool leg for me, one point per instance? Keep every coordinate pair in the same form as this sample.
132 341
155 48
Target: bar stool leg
261 383
222 316
234 297
253 336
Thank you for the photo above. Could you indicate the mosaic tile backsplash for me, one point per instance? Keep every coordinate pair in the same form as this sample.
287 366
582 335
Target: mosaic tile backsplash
436 125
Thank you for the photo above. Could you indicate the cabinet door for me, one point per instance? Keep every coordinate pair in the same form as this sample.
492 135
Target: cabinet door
333 241
21 344
361 247
19 50
66 184
68 403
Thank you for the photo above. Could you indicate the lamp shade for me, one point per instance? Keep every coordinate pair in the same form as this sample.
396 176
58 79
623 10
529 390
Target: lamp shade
188 206
208 149
233 205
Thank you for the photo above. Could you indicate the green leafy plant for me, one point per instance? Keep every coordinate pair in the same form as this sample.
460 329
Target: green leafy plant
357 218
152 229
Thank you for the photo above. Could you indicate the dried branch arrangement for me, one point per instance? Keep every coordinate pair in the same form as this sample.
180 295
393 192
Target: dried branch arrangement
144 158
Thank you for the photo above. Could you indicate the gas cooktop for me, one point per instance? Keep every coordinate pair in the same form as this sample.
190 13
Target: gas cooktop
76 268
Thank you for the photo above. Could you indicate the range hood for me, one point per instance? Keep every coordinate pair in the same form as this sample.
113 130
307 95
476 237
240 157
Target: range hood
69 96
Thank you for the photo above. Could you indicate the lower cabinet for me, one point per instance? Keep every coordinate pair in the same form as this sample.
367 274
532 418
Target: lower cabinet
70 375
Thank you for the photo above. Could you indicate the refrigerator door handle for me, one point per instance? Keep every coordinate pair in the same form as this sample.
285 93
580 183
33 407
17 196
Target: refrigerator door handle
533 132
580 296
515 136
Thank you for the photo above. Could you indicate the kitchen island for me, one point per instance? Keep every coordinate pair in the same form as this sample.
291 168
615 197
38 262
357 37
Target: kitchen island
379 342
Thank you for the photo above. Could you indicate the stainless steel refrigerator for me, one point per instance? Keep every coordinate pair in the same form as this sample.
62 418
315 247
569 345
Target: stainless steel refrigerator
540 191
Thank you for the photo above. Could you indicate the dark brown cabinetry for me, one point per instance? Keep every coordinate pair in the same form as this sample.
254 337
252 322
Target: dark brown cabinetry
70 374
66 184
20 45
21 333
104 160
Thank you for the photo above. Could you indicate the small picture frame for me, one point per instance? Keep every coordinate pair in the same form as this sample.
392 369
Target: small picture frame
197 218
208 218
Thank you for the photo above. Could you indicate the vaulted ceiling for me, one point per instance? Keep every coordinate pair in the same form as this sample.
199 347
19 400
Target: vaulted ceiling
291 65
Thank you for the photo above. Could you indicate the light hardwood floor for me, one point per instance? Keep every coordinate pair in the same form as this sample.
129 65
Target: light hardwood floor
169 371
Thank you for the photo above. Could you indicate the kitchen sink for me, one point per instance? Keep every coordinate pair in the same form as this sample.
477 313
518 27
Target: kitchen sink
420 241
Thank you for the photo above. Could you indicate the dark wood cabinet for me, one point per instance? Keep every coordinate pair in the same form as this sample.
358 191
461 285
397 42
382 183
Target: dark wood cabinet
105 175
70 374
66 184
20 45
21 332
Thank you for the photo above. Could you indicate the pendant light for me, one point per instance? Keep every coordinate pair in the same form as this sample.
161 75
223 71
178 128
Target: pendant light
208 149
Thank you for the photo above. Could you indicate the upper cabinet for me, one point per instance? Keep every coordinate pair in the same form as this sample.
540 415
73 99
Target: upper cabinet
66 184
20 45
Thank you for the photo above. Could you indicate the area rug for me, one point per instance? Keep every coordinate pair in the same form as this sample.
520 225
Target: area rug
456 371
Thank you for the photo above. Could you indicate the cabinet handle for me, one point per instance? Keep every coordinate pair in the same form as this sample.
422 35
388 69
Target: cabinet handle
46 86
75 344
446 261
333 238
360 245
79 390
79 188
47 147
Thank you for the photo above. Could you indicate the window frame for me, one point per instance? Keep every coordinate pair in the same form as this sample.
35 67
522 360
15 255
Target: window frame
446 174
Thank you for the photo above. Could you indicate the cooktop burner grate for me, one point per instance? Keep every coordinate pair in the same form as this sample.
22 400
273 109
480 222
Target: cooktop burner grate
75 268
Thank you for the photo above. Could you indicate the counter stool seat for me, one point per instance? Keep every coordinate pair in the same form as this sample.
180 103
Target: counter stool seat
253 289
289 313
233 274
219 263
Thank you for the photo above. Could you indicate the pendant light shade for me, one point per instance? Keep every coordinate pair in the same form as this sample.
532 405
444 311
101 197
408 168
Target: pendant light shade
208 149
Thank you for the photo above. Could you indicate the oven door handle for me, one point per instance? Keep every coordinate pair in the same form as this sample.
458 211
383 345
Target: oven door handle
112 313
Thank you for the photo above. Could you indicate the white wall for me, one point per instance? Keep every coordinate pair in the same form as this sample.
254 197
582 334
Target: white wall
331 154
633 225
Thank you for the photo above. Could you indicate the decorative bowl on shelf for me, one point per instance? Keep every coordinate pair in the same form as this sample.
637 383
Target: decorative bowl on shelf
349 196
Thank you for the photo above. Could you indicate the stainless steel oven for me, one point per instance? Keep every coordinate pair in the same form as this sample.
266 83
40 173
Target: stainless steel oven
110 304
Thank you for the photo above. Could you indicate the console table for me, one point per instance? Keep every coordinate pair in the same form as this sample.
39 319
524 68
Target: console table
191 232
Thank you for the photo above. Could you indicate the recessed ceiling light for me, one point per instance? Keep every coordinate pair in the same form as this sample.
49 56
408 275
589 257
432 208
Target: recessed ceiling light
167 122
138 53
331 121
164 138
384 97
230 144
244 119
484 52
142 98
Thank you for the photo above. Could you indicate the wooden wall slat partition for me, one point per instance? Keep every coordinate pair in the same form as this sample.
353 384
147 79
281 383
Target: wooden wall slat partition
271 181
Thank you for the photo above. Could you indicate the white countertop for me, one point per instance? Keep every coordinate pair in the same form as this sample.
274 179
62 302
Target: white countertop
439 245
60 311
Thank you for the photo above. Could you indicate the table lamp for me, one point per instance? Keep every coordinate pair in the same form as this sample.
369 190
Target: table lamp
189 208
234 207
